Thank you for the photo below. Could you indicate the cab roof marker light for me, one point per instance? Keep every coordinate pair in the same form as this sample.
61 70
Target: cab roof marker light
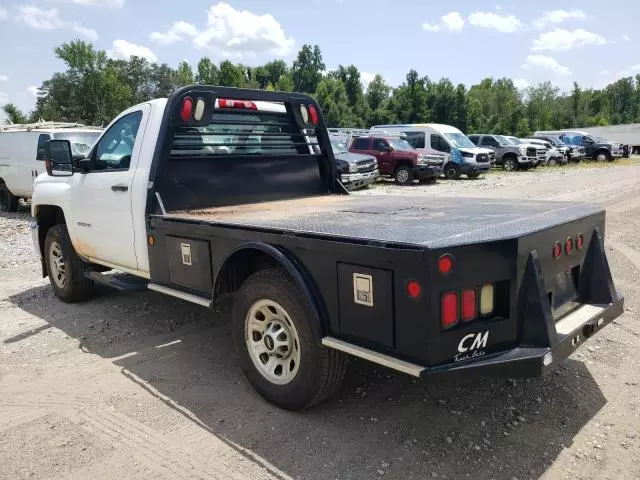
199 111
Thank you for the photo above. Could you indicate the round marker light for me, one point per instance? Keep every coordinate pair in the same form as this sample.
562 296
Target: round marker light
568 245
413 289
185 111
445 264
151 240
305 114
580 241
313 113
557 250
199 112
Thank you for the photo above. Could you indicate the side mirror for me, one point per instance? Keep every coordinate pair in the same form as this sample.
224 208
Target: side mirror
58 158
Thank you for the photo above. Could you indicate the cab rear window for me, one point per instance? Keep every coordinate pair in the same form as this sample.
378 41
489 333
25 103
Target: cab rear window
242 133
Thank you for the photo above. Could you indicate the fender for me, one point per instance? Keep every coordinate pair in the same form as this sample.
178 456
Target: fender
294 269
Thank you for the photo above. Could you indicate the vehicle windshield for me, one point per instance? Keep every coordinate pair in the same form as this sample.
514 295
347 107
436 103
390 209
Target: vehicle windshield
505 141
401 145
459 140
556 142
514 140
81 142
338 147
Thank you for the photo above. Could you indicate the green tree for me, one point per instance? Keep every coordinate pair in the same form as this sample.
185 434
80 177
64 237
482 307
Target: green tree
332 98
231 75
13 114
184 74
207 72
307 69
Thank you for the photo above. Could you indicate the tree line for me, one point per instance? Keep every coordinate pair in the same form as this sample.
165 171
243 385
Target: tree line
95 88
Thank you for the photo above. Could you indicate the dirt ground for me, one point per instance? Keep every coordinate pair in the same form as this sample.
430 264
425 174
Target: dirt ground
144 386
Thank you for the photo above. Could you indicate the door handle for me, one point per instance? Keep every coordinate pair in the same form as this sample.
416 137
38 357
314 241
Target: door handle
119 188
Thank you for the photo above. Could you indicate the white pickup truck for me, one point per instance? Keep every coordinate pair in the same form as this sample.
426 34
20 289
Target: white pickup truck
219 191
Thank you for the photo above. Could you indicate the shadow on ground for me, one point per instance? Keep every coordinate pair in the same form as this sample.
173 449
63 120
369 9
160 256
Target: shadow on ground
458 429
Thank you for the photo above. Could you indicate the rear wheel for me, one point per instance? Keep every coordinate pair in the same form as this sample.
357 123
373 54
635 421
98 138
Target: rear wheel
278 350
451 171
403 175
8 201
65 268
510 164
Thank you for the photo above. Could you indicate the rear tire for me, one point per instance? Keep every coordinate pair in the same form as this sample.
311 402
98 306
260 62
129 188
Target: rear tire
451 171
65 268
403 175
279 352
8 201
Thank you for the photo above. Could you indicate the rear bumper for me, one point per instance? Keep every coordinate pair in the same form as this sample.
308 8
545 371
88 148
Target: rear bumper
426 172
573 330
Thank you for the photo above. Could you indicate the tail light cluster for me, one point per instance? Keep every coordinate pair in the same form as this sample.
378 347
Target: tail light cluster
467 305
569 245
194 109
309 114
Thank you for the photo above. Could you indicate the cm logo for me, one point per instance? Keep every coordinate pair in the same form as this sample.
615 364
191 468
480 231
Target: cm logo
473 341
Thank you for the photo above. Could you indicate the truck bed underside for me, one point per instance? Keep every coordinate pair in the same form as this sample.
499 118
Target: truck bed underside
419 221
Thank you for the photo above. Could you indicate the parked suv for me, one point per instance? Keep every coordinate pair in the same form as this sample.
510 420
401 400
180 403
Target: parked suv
354 170
398 159
510 156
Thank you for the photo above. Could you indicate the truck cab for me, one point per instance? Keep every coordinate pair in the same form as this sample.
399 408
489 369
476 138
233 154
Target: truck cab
398 159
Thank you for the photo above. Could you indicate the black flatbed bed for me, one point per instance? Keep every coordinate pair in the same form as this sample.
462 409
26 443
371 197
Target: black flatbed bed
402 220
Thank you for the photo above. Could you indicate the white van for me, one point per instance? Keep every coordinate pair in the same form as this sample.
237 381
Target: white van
463 157
22 149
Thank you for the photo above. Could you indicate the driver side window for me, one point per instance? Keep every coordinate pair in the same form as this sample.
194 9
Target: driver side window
439 143
380 145
115 148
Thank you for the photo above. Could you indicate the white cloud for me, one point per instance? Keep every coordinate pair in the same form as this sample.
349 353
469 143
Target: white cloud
123 50
178 32
521 84
451 21
93 3
501 23
544 62
4 78
231 33
4 14
561 40
366 78
41 19
33 91
559 16
626 38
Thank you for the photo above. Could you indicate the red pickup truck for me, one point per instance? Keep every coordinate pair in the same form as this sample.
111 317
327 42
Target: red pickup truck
398 159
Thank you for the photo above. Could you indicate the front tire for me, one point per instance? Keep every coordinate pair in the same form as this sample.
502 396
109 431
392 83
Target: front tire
278 350
451 171
602 157
510 164
403 175
65 268
8 201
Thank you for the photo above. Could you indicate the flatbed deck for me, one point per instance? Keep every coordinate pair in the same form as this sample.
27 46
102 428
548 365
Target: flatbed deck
402 220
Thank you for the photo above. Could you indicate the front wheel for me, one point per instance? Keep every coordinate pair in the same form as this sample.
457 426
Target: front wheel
451 171
65 268
403 176
278 350
602 157
510 164
8 201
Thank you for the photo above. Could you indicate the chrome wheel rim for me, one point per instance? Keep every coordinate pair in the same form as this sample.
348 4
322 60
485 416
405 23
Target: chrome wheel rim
509 165
57 265
601 157
272 342
403 176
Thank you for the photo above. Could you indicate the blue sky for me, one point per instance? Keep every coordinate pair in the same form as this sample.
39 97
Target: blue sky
591 42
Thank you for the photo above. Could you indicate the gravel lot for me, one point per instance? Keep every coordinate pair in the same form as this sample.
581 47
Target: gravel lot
145 386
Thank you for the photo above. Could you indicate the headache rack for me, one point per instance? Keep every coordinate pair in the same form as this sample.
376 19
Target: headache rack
223 146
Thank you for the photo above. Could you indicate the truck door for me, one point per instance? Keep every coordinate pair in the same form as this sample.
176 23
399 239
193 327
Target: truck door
102 197
386 160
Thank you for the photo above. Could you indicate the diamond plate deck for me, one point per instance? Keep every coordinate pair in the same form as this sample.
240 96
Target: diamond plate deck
404 220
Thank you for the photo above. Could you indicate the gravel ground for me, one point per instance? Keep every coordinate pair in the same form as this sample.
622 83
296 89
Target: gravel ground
145 386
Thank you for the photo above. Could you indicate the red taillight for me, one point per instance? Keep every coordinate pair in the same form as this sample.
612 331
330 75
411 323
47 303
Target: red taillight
449 306
568 245
557 250
468 305
579 241
313 114
413 289
187 107
227 103
445 264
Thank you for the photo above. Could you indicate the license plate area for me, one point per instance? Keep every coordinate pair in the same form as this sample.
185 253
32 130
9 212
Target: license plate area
563 296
